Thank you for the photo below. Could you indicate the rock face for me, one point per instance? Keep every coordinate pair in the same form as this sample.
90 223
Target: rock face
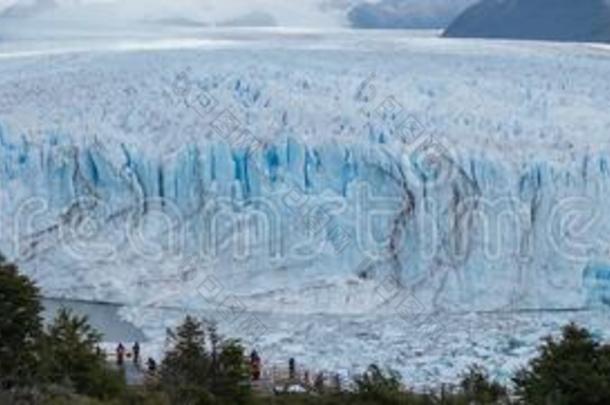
557 20
406 14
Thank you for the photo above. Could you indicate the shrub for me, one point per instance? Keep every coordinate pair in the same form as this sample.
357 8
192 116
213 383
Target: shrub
20 327
201 368
71 358
572 370
477 388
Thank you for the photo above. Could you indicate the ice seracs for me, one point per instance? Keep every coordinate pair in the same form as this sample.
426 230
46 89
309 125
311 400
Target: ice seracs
297 177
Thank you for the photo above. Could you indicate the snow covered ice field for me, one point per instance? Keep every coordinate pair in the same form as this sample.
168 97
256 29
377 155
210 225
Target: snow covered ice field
340 197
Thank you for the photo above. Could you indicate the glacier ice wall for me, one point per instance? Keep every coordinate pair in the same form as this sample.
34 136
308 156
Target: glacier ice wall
310 177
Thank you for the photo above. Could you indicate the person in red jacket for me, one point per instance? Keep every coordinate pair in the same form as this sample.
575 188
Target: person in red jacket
255 365
120 354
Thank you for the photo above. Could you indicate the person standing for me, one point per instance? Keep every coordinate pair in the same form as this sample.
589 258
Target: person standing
255 365
291 368
136 353
152 365
120 354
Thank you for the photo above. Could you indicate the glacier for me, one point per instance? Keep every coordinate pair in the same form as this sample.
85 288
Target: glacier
296 177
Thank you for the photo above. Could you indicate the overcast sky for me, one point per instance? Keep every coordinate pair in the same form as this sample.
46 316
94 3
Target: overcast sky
301 13
285 12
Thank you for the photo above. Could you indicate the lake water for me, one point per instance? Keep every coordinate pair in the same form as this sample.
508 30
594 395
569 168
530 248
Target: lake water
103 316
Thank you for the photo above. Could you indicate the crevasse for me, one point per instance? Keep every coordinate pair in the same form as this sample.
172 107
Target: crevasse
464 232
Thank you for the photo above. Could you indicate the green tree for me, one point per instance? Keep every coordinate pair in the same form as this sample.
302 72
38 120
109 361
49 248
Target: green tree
184 373
233 375
318 383
572 370
203 368
478 388
378 385
215 343
20 327
72 359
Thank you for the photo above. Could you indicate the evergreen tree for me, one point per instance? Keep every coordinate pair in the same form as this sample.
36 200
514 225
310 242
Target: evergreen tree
20 327
233 374
572 370
201 368
377 385
184 370
477 387
72 359
215 342
318 383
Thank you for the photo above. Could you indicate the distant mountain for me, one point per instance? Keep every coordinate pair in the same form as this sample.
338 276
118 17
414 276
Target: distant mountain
253 19
19 10
406 13
179 22
557 20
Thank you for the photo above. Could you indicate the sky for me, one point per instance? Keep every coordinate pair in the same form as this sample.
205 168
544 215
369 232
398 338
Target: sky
290 13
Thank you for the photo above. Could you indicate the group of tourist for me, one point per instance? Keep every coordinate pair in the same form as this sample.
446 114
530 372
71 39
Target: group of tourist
121 353
255 361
